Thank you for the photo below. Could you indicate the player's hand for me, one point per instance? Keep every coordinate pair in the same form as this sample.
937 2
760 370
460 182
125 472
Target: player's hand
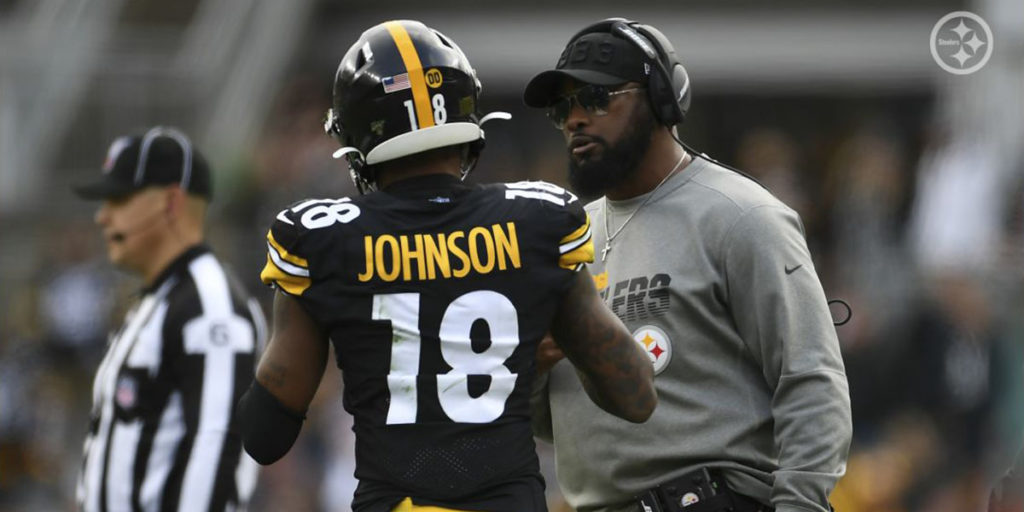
548 354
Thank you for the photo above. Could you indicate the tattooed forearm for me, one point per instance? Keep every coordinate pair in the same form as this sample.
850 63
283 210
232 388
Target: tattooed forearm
295 357
272 375
615 372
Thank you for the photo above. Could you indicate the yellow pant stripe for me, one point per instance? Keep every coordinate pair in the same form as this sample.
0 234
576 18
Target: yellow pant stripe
407 506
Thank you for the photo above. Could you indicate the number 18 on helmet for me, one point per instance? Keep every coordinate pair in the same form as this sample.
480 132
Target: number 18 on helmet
404 88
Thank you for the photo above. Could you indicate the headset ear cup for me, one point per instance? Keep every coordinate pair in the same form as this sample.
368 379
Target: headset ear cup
681 92
656 93
676 98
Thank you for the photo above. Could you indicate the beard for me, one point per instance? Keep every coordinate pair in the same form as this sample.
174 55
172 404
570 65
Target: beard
593 177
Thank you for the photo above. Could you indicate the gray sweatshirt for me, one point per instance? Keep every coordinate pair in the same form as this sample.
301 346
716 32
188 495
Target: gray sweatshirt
714 279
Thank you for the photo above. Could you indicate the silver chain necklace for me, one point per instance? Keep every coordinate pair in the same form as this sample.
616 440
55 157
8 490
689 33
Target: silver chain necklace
607 212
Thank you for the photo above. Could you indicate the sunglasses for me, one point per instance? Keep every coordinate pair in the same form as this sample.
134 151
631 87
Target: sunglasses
593 98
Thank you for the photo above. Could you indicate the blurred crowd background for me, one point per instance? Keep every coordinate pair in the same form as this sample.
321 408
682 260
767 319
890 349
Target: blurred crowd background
909 180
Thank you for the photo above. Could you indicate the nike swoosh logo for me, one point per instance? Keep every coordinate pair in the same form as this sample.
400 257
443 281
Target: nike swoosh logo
794 269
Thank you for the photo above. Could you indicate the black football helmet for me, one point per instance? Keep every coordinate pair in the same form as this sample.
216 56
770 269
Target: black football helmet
404 88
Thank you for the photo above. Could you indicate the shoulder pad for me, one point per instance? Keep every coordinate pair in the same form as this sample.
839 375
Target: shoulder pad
287 266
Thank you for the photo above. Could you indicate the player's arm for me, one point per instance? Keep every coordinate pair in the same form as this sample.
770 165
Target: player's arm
614 370
273 408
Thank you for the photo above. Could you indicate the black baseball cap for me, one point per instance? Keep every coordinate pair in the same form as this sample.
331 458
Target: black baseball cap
167 156
599 58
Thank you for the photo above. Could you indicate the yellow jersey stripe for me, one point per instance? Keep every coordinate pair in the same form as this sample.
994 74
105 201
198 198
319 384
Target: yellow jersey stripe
582 254
284 254
583 230
292 284
569 246
411 59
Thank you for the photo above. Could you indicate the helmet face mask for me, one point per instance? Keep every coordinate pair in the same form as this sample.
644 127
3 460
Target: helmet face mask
401 89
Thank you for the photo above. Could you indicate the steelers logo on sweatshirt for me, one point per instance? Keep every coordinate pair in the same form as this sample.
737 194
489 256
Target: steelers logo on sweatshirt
657 345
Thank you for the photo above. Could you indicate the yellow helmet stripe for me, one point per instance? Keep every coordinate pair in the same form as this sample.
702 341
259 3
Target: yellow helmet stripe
411 59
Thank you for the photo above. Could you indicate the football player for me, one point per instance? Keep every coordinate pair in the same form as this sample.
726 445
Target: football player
435 294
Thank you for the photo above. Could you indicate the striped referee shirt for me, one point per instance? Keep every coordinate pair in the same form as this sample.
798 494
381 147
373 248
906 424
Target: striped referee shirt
161 435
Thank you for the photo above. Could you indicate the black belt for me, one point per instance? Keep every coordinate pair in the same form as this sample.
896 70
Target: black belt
704 490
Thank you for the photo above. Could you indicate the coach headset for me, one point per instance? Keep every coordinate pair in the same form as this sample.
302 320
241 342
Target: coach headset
668 88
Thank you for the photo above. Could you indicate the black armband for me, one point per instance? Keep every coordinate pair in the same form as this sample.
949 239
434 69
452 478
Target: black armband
268 428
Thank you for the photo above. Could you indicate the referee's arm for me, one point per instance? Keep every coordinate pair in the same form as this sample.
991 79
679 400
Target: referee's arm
215 367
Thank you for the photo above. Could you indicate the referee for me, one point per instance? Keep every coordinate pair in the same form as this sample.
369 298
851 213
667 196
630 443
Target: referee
161 433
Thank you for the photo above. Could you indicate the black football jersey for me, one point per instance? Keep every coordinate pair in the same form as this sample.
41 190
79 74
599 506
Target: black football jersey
435 295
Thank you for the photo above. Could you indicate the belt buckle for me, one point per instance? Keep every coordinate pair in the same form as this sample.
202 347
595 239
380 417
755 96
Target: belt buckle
649 502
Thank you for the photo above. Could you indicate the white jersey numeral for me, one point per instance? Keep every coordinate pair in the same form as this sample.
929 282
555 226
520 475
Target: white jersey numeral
502 321
403 309
321 213
533 194
539 190
453 387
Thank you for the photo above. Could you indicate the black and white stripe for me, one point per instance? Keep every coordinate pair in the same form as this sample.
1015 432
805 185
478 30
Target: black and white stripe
165 393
